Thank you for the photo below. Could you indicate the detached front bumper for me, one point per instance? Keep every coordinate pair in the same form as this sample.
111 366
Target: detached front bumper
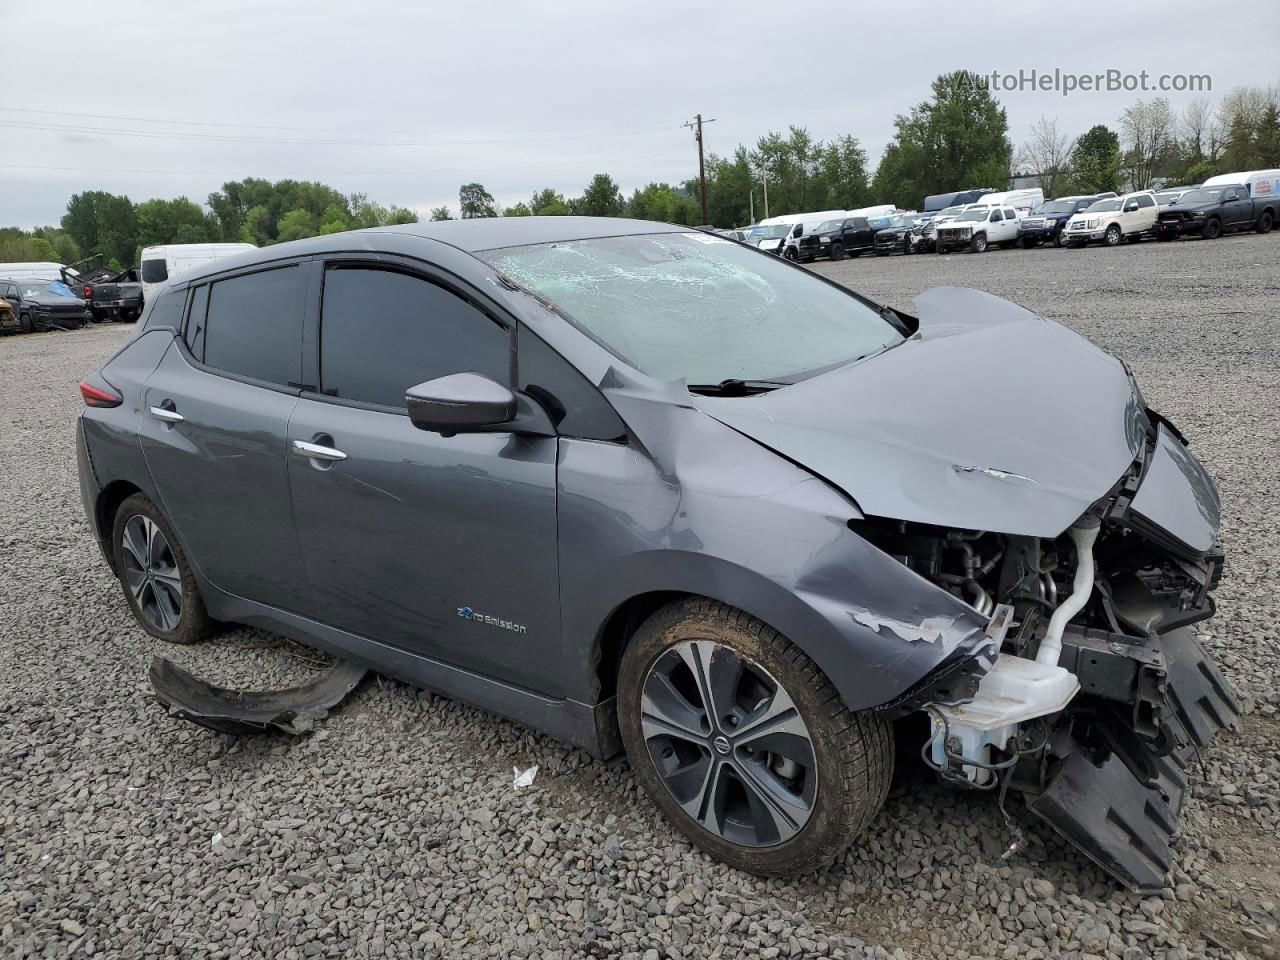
1115 787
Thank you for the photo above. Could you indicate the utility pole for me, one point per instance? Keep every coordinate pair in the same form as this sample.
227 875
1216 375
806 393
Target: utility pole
696 124
764 175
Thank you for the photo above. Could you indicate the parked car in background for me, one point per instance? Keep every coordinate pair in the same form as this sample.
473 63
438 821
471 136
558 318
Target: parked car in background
836 239
45 304
8 316
929 229
768 236
708 544
115 296
899 235
34 271
1259 183
801 224
1047 223
978 228
1210 212
958 198
170 260
1130 217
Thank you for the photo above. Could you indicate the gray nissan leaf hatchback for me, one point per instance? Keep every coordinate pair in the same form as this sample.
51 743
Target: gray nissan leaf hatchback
647 489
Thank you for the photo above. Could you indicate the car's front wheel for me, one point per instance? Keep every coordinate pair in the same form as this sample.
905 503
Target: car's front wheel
744 743
1113 235
154 572
837 251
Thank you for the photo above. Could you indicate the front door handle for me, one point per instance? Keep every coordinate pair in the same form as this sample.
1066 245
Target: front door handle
167 415
314 451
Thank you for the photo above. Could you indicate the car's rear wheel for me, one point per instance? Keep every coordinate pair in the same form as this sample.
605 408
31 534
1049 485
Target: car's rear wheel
155 575
837 251
744 743
1113 235
1265 222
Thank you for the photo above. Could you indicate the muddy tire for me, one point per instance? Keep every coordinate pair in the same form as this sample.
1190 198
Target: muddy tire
154 574
744 743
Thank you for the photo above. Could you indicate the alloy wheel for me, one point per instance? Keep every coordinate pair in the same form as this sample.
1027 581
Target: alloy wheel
729 744
151 573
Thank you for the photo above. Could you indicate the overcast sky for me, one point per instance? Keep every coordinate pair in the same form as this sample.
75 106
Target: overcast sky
407 100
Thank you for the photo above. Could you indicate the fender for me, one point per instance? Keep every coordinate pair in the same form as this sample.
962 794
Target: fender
673 518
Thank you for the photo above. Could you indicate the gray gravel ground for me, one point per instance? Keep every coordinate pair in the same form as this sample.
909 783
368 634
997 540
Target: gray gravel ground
394 831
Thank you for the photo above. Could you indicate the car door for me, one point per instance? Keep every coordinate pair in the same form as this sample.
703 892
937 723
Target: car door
1233 208
214 417
443 546
1010 225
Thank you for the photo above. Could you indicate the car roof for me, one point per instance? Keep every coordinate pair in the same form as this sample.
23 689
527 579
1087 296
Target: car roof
488 233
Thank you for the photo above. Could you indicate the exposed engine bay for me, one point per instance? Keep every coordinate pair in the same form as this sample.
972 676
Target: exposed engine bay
1089 693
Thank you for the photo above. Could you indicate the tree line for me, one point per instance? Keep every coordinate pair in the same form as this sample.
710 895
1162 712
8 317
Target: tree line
957 138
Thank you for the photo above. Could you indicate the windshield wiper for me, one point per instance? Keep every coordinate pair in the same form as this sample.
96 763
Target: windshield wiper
734 387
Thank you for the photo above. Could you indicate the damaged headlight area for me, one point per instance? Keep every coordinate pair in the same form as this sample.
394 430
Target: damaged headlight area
1096 694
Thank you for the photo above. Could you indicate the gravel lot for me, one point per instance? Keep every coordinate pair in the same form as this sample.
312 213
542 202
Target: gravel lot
394 830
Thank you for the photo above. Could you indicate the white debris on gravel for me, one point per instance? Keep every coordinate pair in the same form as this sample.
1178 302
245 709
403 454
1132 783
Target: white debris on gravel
386 834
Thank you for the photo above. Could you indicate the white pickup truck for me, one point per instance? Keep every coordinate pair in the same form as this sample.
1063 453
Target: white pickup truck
978 228
1130 217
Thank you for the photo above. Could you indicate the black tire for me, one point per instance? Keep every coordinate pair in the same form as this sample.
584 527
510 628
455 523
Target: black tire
1060 238
25 324
1265 222
1164 236
1113 236
1212 229
790 254
852 753
836 251
192 621
978 243
1028 242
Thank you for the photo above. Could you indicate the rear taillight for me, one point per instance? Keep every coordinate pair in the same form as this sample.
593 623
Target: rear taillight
88 292
98 396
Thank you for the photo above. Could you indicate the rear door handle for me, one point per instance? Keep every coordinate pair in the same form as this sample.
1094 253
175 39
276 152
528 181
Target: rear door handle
314 451
168 416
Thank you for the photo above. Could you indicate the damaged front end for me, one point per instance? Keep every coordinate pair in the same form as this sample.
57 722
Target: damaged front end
1090 695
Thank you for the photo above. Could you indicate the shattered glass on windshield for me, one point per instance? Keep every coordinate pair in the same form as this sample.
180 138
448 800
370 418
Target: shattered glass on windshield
699 308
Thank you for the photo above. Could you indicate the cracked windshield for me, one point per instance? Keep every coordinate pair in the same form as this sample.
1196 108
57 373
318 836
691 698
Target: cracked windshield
699 308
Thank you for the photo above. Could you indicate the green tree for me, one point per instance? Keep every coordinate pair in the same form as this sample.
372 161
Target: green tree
664 203
401 215
475 201
174 221
258 227
102 223
440 213
519 210
958 139
295 225
549 203
602 198
1267 140
842 165
1095 162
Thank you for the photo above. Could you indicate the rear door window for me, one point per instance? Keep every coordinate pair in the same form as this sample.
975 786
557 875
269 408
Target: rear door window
383 331
254 325
1146 200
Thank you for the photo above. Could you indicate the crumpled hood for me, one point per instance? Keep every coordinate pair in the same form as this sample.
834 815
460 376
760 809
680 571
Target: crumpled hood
989 418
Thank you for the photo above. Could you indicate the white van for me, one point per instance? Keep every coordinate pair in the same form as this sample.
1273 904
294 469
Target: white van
1260 183
34 271
161 263
1021 200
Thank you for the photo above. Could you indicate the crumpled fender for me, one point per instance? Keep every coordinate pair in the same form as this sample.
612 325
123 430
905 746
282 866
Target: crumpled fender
696 507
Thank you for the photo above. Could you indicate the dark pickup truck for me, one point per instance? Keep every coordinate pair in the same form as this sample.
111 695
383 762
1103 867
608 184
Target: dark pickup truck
837 239
114 296
1211 211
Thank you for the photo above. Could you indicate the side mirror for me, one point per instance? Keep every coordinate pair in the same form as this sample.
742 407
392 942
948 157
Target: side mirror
459 403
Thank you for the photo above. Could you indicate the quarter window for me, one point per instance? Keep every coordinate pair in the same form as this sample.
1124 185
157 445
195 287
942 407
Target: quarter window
254 326
194 332
382 332
167 310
